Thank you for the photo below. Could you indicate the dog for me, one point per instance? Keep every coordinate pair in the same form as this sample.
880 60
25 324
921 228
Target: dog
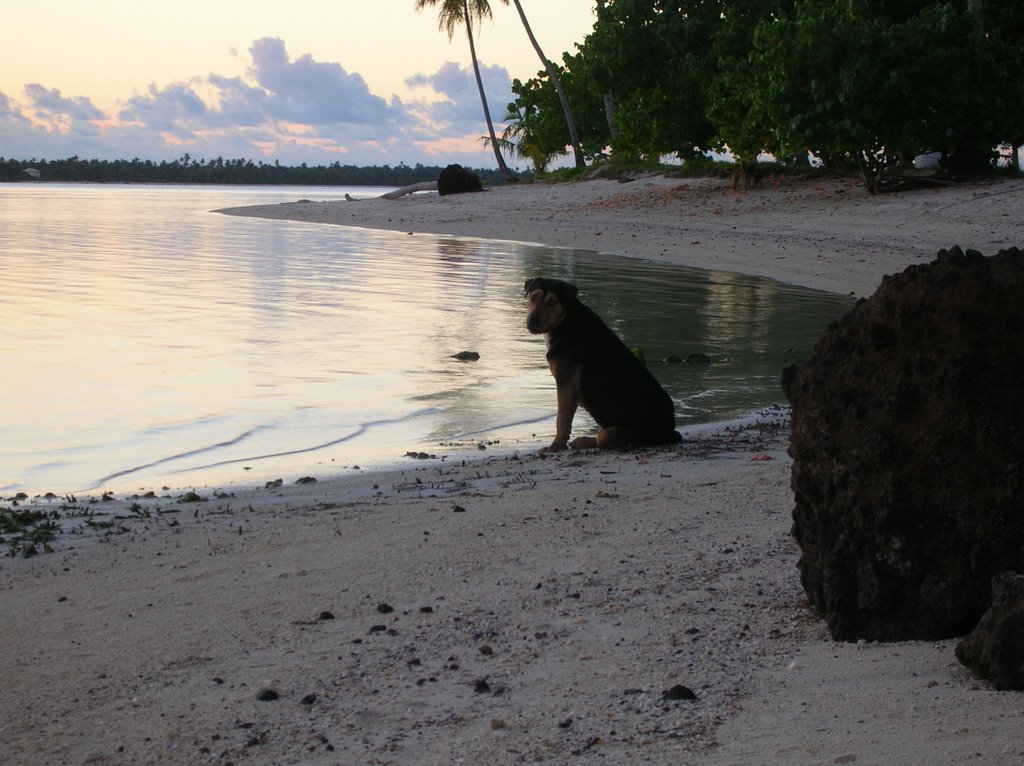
595 370
747 173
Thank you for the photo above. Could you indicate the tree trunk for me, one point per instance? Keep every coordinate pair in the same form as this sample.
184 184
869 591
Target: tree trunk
609 115
507 174
609 99
570 121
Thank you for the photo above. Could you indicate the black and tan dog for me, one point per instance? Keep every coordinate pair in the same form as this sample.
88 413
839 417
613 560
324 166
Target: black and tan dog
593 369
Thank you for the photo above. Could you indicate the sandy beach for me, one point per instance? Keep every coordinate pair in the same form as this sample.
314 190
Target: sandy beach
575 608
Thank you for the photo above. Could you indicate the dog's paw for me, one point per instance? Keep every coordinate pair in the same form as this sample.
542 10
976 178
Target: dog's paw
555 446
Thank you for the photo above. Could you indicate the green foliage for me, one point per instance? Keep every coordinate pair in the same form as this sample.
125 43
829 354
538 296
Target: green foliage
653 56
22 531
537 104
838 83
868 82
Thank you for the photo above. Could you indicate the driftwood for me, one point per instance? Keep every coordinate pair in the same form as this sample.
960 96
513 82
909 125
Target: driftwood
411 189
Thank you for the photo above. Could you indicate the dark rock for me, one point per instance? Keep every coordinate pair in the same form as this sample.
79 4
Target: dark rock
385 608
267 695
309 699
480 686
995 648
325 615
455 179
679 693
467 356
908 451
698 358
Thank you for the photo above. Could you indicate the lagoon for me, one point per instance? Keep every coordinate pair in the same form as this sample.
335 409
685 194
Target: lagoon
148 341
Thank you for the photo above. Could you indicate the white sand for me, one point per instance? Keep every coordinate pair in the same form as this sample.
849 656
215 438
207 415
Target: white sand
827 234
566 594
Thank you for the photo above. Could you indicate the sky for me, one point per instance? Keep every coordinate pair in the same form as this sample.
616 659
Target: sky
314 81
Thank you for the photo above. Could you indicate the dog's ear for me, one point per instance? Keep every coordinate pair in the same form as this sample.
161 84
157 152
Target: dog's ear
567 292
529 285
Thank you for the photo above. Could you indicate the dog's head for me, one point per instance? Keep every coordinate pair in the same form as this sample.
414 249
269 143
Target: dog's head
549 300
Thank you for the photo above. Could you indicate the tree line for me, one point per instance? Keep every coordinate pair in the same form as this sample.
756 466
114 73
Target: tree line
187 170
863 84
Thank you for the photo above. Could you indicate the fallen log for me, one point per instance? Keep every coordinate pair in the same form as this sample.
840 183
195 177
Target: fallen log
411 189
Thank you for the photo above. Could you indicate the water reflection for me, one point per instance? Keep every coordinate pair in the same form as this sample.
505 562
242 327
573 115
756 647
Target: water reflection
151 341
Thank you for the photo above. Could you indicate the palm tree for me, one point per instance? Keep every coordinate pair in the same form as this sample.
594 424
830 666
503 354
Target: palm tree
455 13
518 137
574 135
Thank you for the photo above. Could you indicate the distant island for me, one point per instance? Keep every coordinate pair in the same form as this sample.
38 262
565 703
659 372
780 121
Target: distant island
187 170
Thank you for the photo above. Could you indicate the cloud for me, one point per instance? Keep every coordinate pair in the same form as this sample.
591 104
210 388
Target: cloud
9 112
176 107
460 106
312 92
50 104
292 109
239 103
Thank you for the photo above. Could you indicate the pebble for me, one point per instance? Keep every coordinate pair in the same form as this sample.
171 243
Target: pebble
267 695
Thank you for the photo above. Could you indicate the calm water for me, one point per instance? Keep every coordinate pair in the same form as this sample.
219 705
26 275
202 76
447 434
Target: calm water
148 341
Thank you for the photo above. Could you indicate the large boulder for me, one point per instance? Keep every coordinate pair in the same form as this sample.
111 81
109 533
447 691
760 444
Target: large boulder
908 451
995 648
455 179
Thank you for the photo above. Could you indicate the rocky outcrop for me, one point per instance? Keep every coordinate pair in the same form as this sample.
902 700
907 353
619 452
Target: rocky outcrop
908 451
455 179
995 648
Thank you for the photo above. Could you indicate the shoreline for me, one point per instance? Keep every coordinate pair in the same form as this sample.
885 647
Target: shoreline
584 608
826 234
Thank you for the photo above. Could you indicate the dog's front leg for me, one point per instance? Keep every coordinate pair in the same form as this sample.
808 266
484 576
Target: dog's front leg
563 423
568 389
